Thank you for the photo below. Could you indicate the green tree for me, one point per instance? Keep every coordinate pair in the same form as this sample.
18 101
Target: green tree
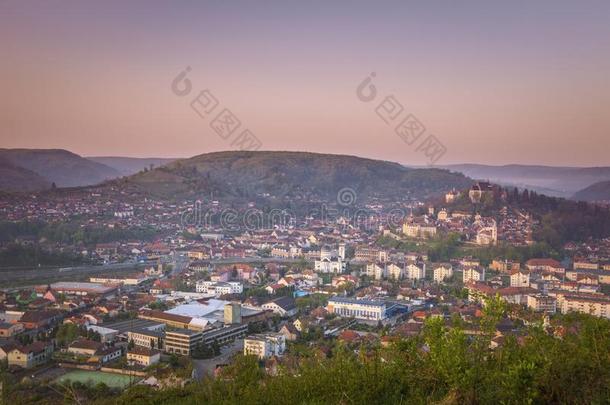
67 333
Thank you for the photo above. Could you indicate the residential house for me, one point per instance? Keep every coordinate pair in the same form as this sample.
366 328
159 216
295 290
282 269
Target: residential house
7 347
95 351
31 355
516 295
84 347
345 279
143 356
290 331
272 289
473 273
544 265
504 266
542 303
520 278
415 270
265 345
395 271
10 329
376 270
40 319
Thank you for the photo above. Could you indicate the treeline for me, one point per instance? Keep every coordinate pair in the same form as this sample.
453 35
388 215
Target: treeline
519 254
70 233
16 255
444 247
563 220
443 365
573 222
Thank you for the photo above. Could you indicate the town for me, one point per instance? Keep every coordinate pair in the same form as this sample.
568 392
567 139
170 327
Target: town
180 304
286 203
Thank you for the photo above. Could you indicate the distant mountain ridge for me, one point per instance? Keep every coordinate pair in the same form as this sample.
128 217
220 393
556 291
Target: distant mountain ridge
549 180
127 166
243 173
59 166
599 191
231 174
291 174
15 178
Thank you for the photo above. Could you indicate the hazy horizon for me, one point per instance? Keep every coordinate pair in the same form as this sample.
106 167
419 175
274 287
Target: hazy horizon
496 83
361 155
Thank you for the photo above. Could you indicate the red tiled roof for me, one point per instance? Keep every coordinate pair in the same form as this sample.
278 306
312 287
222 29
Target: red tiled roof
515 291
543 262
166 316
348 336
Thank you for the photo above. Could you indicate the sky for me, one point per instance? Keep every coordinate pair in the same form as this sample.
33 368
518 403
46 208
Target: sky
493 82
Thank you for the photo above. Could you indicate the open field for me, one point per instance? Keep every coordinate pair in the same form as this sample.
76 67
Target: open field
96 377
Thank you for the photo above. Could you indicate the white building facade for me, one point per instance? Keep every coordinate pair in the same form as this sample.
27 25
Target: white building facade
219 288
415 271
265 345
442 272
359 309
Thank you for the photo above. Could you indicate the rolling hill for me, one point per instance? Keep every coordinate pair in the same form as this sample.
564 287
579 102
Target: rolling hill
293 175
14 178
64 168
549 180
599 191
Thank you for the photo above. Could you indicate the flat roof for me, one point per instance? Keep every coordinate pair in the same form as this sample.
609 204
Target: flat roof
199 310
245 312
346 300
100 329
133 324
147 332
187 332
82 286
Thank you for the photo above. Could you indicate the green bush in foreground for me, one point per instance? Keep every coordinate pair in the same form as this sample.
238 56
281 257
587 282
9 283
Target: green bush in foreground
444 366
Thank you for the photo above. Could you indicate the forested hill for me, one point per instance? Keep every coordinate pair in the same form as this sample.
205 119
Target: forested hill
292 175
560 220
595 192
59 166
15 178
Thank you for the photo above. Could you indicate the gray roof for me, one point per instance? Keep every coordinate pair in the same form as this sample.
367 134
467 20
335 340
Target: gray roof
346 300
286 303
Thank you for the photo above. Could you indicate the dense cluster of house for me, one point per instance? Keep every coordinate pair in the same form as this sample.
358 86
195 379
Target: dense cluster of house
253 285
548 286
138 318
513 227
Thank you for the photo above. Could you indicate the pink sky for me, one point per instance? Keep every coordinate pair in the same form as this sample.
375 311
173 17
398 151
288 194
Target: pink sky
497 84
